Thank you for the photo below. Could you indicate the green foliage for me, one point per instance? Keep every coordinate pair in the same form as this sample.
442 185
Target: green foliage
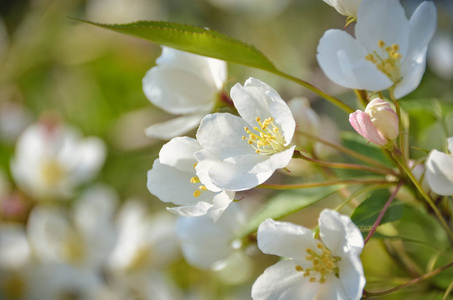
202 41
366 214
418 224
286 203
359 144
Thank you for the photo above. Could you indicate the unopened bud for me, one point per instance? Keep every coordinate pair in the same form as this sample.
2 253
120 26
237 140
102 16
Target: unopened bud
378 124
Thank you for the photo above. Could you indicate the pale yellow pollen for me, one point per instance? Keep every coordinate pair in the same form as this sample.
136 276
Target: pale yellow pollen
323 264
266 138
194 179
200 189
387 61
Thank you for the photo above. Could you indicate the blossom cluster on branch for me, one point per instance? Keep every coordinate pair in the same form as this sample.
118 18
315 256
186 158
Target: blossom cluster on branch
262 191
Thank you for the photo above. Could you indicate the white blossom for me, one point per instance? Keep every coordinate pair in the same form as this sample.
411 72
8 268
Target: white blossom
439 170
243 152
174 179
206 243
388 51
145 240
51 160
83 237
329 268
183 84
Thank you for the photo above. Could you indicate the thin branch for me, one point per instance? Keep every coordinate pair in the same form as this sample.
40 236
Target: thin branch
381 215
319 184
350 152
343 165
412 282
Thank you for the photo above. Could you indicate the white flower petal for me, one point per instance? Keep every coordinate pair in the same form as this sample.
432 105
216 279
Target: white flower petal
203 241
382 20
422 25
281 281
450 144
195 210
413 68
205 163
347 8
275 161
179 153
221 135
210 69
86 158
175 127
183 82
252 101
171 185
47 230
332 289
14 247
220 202
439 172
351 275
282 115
342 58
177 91
339 233
235 173
285 239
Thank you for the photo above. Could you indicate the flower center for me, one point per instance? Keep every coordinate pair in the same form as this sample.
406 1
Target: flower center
52 172
74 248
196 180
387 61
141 258
324 264
267 138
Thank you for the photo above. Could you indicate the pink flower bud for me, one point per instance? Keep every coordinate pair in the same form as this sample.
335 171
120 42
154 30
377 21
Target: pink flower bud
378 124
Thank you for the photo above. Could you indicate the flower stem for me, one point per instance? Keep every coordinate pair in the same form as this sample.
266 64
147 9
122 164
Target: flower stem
319 184
381 215
399 159
362 96
350 152
401 133
362 191
448 291
343 165
412 282
315 90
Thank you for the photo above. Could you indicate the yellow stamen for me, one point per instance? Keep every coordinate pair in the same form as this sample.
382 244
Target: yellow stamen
387 61
323 264
266 138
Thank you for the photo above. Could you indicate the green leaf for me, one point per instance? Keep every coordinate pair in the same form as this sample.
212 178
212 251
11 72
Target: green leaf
366 214
202 41
359 144
286 203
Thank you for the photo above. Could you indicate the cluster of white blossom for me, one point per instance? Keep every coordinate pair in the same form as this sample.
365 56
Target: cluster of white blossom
233 153
78 240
